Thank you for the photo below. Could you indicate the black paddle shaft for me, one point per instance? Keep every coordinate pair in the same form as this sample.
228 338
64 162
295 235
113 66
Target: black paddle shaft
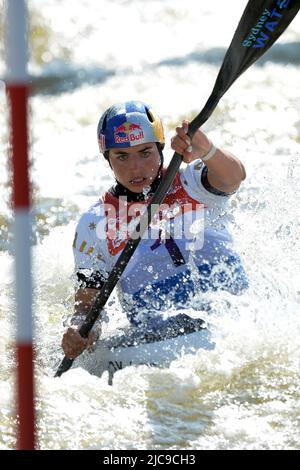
260 26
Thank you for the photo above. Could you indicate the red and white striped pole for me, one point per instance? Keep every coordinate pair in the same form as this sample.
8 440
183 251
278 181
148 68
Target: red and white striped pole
17 91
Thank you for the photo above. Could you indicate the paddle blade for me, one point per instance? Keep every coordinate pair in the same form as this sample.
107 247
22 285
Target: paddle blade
260 26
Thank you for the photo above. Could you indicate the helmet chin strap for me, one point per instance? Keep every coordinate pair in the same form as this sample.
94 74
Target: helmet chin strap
160 148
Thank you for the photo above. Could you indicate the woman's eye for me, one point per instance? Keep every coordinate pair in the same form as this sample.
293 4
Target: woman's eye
146 154
122 157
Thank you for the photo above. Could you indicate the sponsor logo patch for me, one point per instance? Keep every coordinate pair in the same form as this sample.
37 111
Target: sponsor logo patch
128 132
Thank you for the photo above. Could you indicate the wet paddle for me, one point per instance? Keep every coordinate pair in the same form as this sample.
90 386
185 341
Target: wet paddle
261 24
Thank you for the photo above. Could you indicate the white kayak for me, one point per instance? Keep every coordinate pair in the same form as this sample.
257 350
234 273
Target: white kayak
153 347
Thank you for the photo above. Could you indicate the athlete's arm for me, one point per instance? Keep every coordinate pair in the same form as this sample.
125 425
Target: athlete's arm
84 299
225 171
90 268
72 343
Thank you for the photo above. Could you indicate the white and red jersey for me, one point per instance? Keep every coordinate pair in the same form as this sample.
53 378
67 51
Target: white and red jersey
187 247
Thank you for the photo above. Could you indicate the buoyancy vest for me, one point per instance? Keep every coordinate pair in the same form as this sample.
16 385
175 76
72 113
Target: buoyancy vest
187 247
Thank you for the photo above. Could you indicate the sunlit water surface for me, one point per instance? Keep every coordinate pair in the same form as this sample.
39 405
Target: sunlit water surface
245 393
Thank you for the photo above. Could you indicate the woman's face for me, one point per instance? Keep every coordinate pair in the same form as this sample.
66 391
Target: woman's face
135 167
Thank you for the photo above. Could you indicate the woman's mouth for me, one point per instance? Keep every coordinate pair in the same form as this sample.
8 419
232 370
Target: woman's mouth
138 181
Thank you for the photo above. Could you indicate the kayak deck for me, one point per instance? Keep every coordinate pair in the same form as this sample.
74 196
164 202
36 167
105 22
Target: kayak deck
157 347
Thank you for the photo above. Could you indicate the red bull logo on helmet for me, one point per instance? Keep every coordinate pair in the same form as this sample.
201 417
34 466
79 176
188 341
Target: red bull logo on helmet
128 132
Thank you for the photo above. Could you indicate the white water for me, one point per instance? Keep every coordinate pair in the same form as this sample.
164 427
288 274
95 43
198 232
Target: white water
245 393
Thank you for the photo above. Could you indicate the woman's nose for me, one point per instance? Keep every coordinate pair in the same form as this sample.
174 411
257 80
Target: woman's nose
136 163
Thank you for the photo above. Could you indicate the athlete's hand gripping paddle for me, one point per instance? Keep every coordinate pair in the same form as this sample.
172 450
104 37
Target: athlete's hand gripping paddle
261 24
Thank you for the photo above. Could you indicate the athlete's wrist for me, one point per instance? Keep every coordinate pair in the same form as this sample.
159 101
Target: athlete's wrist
210 153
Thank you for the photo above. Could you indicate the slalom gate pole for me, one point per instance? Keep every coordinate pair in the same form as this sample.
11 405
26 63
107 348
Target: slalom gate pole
17 88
